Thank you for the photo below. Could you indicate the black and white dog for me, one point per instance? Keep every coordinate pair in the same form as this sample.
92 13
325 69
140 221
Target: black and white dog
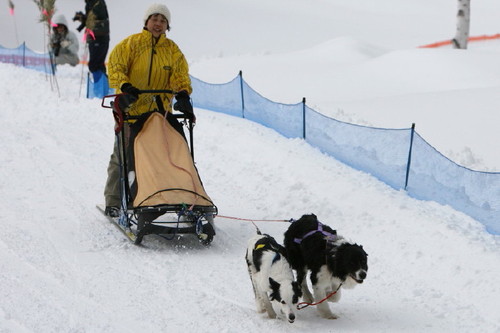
332 261
272 276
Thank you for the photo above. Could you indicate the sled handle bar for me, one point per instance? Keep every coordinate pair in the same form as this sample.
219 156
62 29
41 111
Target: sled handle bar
175 115
161 91
108 105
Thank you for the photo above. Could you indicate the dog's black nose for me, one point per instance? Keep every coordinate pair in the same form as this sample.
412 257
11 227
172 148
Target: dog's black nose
362 275
291 317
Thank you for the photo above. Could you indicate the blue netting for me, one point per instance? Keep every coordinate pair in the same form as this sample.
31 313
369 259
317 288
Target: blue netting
381 152
286 119
23 56
434 177
224 98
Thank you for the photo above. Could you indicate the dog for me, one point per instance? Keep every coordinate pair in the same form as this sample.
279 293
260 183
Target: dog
272 276
332 261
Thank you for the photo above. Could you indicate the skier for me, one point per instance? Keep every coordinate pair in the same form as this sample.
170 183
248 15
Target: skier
63 43
146 61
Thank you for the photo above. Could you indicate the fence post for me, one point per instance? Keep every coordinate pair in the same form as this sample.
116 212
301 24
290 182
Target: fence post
24 54
304 118
88 84
242 96
409 155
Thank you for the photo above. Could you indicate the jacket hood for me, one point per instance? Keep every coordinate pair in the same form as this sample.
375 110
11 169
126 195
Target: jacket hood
60 19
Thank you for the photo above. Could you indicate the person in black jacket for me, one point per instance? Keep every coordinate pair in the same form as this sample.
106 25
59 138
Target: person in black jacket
96 24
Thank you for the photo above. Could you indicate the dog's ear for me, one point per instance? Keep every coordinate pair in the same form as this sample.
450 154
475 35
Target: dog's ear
274 285
275 290
361 247
297 292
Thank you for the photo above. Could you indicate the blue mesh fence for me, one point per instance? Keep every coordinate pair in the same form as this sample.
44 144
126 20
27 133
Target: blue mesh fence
224 98
435 177
286 119
399 157
380 152
23 56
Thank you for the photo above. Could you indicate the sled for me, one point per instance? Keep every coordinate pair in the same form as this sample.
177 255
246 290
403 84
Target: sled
161 192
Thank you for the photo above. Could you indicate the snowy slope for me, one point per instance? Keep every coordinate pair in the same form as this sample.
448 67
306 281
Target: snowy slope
64 268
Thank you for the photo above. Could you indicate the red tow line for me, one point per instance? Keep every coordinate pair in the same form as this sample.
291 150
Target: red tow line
303 305
250 220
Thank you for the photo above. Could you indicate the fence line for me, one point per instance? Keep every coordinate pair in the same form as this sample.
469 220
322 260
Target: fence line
400 158
23 56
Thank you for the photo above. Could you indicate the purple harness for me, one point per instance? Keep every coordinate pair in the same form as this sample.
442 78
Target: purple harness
330 237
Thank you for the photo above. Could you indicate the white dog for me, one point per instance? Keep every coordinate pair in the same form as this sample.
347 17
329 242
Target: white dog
272 277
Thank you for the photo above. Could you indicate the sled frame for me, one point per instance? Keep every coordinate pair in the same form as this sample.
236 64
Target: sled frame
166 220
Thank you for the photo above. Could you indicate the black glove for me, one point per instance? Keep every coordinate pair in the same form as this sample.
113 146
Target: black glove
183 104
131 94
79 16
131 90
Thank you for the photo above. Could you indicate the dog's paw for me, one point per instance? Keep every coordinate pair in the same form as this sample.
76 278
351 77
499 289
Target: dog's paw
272 315
331 316
328 315
261 307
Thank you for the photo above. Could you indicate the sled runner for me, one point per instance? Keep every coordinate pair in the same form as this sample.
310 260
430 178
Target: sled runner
160 190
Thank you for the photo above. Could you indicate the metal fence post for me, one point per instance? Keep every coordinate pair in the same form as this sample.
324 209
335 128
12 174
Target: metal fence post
304 118
409 155
24 54
242 95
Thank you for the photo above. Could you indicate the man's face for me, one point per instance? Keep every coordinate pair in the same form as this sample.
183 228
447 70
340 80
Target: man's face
157 25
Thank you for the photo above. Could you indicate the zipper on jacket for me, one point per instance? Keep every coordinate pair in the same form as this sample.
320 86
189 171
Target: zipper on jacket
153 52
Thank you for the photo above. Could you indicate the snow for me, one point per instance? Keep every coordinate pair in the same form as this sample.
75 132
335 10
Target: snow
64 268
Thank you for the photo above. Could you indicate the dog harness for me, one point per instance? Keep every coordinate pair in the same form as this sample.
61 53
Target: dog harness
259 246
267 245
330 237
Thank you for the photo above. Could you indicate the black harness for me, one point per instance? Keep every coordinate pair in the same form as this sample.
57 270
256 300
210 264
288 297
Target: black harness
268 244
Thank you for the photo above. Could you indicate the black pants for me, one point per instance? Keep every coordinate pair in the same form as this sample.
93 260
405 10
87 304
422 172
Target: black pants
98 50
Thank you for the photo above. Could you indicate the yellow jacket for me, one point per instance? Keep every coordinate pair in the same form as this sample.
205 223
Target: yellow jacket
147 65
